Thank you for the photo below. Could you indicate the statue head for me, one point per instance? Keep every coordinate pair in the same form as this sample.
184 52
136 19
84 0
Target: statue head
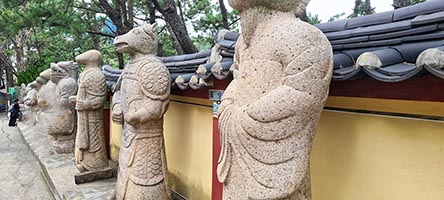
61 70
142 40
298 6
91 58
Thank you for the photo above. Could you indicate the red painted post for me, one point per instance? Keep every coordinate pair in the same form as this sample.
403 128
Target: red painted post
217 187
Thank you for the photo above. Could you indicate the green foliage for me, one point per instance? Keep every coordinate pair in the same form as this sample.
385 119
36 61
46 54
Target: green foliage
336 17
206 19
313 19
363 10
31 73
45 31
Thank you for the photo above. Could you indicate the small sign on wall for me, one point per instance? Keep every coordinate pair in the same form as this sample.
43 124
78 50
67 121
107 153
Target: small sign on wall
216 95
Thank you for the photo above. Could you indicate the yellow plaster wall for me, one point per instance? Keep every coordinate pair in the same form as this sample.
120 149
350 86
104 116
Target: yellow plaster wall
188 138
115 137
371 157
355 156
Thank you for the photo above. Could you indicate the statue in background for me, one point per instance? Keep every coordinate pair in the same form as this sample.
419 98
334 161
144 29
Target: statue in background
139 103
62 119
270 111
34 100
90 152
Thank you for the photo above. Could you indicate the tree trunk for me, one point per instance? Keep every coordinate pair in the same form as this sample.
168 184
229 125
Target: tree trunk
223 11
356 8
173 20
7 64
368 7
120 17
152 13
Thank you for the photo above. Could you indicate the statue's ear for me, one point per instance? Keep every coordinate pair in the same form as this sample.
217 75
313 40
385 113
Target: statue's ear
154 27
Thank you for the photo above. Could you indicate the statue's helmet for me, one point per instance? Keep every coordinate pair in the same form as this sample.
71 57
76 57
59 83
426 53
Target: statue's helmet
298 6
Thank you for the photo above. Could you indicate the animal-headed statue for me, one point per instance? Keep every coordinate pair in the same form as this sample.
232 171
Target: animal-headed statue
139 103
270 111
62 120
90 151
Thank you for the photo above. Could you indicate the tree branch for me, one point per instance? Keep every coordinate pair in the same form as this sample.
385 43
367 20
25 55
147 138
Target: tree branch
101 34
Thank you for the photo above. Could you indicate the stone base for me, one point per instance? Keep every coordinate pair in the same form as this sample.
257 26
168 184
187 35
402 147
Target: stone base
62 147
91 176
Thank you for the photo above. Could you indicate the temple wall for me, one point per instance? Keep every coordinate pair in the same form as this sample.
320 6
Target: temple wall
188 137
364 156
364 149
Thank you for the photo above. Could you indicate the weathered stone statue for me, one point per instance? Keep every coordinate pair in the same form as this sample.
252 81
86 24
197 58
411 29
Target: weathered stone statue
90 152
38 94
139 103
270 111
62 120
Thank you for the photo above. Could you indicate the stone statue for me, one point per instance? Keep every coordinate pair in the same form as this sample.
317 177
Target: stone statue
139 103
38 94
90 152
62 120
22 92
270 111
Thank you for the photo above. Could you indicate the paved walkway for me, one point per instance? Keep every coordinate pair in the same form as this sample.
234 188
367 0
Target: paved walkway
20 174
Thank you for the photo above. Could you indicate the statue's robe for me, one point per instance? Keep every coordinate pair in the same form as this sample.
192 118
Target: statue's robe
90 149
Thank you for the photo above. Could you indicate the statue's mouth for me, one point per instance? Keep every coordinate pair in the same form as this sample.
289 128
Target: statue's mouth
121 46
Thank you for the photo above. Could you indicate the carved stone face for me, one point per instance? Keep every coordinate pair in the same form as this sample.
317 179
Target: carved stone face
281 5
139 40
63 70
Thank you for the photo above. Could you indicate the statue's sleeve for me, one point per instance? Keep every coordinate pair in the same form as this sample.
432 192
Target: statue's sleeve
303 91
302 94
155 83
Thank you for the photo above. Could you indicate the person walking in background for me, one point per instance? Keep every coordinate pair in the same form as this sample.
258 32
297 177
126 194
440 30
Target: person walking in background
14 113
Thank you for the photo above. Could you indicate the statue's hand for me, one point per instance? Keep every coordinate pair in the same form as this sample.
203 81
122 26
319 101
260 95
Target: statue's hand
117 114
72 100
82 105
131 118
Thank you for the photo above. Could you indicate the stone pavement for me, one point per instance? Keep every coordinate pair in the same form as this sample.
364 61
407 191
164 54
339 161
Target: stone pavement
20 172
59 169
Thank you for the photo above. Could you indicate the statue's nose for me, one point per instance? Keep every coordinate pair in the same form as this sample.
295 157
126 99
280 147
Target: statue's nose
116 39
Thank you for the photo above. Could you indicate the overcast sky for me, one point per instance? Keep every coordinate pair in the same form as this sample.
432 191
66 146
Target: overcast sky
328 8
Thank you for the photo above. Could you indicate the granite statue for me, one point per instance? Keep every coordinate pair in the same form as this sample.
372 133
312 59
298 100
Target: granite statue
62 119
35 100
270 111
90 149
140 100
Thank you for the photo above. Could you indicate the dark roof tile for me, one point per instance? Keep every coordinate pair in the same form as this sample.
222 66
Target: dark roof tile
375 19
333 26
411 51
397 34
428 19
382 28
350 40
428 7
378 43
